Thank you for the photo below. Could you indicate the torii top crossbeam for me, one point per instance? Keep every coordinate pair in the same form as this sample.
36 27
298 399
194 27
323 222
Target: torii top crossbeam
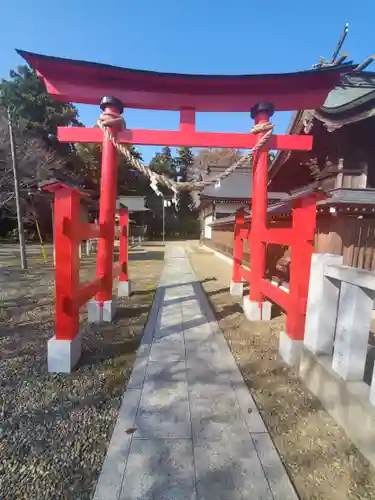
86 82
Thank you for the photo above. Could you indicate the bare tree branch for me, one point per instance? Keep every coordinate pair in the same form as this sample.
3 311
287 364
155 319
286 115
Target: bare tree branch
35 163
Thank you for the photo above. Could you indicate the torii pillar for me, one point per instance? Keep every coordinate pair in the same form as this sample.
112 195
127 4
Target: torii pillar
255 305
102 308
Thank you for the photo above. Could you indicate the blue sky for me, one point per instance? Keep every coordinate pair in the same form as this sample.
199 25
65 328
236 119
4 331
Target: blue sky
191 36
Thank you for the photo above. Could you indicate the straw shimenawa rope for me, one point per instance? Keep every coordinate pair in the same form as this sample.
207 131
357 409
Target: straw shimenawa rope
107 120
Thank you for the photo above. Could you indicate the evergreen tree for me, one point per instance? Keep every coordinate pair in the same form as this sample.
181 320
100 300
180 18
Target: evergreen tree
164 163
184 163
35 115
32 107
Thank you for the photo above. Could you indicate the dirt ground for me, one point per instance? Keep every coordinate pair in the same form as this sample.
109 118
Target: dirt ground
321 461
55 429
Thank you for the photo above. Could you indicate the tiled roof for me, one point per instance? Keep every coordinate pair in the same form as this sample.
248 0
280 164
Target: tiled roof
133 203
355 96
355 89
238 185
341 196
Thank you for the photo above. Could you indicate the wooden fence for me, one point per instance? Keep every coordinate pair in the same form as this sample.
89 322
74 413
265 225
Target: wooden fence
344 235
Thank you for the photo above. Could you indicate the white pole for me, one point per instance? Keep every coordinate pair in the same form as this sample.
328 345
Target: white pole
21 234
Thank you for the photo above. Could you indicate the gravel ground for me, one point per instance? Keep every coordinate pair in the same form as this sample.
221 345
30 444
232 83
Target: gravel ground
55 429
321 461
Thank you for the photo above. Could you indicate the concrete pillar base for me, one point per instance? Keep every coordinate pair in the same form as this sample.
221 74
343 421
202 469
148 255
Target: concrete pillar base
352 331
257 311
124 289
290 350
101 312
63 355
322 305
372 389
236 289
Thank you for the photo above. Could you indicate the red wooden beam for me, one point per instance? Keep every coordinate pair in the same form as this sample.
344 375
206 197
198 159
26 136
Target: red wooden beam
66 208
83 294
238 247
117 269
244 233
245 274
86 94
108 190
275 294
187 120
186 137
261 114
87 231
79 231
54 186
85 82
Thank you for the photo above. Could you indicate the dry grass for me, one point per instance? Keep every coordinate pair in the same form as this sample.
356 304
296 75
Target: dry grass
321 461
55 429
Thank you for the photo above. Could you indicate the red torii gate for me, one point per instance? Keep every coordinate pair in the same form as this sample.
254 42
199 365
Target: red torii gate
83 82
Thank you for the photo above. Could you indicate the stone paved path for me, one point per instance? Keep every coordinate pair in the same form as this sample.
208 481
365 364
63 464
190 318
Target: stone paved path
188 429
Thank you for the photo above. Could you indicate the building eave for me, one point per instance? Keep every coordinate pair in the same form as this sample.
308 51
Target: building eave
350 201
355 109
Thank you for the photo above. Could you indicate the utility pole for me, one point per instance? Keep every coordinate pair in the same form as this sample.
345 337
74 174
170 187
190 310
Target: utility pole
21 234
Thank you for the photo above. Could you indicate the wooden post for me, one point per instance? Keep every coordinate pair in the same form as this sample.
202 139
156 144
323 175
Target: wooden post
124 284
236 287
261 113
108 187
67 204
304 222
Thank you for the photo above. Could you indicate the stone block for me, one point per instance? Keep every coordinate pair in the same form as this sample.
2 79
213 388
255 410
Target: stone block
347 402
108 311
277 477
138 374
372 389
257 311
322 305
215 413
229 468
159 469
236 289
163 411
248 408
94 311
352 331
290 349
124 289
359 277
101 312
110 479
165 372
63 355
170 347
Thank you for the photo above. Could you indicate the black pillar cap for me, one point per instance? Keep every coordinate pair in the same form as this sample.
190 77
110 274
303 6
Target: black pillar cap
262 107
111 101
